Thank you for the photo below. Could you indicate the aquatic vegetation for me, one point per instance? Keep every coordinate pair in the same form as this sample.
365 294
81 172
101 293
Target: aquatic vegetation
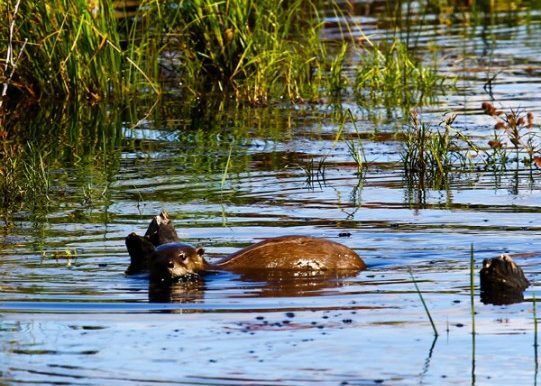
67 254
429 151
10 173
472 294
355 147
69 52
24 177
516 128
337 81
314 171
11 60
427 311
249 50
255 49
80 49
435 152
390 75
252 52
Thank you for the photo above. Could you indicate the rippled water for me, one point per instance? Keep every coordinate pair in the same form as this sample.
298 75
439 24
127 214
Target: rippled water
80 320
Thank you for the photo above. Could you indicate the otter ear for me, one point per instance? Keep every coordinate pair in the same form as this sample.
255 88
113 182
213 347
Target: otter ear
200 251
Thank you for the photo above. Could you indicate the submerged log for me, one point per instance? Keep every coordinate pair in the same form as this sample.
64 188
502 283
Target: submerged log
502 281
160 231
139 249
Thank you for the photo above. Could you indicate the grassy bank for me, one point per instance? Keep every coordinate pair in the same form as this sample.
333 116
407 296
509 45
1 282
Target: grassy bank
81 49
251 51
70 51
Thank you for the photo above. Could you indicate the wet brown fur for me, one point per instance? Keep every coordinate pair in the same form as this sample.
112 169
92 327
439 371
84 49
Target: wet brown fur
160 252
291 253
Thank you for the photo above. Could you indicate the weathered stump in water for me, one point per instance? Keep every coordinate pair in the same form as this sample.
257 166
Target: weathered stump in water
160 231
502 281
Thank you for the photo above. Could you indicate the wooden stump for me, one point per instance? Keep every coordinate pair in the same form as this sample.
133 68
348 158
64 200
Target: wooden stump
502 281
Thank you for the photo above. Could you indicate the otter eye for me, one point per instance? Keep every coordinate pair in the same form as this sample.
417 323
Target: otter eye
182 255
171 264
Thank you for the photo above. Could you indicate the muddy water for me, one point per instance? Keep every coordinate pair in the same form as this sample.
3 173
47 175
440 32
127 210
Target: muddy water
79 320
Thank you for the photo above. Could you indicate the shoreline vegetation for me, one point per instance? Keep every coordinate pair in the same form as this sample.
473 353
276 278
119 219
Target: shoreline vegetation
89 68
255 52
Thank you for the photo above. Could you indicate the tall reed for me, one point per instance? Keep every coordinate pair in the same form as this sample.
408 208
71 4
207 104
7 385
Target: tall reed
73 51
390 75
424 303
253 49
429 151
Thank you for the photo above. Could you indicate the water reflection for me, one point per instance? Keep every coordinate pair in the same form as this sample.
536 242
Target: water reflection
182 292
268 283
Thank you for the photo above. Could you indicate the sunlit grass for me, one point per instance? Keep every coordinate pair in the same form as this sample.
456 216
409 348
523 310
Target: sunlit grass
251 51
72 52
390 75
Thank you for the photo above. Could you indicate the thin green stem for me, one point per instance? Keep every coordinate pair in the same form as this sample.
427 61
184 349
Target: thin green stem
472 300
472 288
535 341
424 303
227 164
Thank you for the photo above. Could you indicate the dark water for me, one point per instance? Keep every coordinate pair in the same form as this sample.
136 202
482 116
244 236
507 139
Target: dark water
79 320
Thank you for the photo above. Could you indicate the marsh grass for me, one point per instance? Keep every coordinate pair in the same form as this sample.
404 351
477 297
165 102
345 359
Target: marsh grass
424 303
25 180
11 192
336 79
357 153
12 59
77 50
67 254
67 52
314 170
252 51
226 168
256 50
513 133
356 149
390 75
472 288
431 151
472 311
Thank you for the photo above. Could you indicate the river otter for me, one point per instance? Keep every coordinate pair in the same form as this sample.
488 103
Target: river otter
160 252
292 253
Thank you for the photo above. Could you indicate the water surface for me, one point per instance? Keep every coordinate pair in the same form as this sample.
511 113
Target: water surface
80 320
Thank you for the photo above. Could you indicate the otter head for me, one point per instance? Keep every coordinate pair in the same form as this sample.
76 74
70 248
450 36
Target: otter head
175 261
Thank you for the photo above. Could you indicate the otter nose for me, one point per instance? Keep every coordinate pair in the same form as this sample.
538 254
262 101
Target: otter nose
171 264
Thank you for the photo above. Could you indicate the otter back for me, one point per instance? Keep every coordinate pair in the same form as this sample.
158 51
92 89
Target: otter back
293 253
